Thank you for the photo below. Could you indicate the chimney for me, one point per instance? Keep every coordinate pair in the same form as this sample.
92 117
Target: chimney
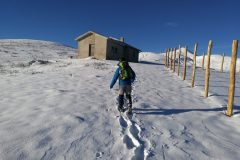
122 39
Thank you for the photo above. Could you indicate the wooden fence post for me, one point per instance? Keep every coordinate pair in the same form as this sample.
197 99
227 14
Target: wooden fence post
171 57
185 63
179 56
231 89
207 74
203 57
166 57
222 62
174 58
194 64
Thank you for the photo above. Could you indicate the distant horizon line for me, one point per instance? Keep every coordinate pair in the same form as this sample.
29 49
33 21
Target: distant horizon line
157 52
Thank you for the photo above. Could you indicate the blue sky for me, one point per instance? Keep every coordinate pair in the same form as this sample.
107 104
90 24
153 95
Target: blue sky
151 25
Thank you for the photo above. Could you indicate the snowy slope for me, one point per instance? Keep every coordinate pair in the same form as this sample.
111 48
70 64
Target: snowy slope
149 56
216 60
25 50
64 110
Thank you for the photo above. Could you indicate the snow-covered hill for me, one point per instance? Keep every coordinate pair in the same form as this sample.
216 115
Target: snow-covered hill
25 50
216 60
61 108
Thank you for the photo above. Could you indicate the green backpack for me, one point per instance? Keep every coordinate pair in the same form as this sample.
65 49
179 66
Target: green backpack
125 71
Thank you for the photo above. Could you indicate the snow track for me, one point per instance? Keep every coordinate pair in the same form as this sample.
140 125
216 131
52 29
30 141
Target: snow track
131 135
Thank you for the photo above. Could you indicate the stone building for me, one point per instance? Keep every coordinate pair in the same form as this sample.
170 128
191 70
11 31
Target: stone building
92 44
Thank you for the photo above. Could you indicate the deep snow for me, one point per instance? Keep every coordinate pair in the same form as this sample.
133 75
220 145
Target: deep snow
63 109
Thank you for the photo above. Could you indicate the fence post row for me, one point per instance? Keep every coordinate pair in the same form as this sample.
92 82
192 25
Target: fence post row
194 65
231 89
207 75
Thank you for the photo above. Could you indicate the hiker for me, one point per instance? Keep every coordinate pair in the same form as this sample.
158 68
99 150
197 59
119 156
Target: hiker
126 77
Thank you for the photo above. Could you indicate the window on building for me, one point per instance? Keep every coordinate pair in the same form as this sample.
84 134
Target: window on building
114 50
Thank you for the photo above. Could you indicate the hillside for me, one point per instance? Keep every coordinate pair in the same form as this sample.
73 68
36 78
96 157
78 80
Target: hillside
63 109
24 50
215 64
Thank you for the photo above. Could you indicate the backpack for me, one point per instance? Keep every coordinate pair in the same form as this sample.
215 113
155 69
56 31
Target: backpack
125 71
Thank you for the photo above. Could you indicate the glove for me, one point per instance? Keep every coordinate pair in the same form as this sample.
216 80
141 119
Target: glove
111 87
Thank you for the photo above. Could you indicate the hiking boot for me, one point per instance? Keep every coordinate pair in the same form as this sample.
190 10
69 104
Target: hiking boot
120 109
129 98
130 111
130 108
120 101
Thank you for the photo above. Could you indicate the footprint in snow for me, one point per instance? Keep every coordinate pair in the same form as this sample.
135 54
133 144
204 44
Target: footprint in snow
134 131
80 119
99 154
128 141
122 122
44 142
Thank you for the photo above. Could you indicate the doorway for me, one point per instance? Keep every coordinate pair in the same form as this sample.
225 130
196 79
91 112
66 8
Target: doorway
91 50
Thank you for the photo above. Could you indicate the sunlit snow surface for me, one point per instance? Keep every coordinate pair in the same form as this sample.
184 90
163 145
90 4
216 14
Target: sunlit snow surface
54 107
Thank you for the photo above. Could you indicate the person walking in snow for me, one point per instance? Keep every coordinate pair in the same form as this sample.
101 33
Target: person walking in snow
126 77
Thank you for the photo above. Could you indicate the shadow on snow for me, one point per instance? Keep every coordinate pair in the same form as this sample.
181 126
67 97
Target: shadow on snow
152 63
178 111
